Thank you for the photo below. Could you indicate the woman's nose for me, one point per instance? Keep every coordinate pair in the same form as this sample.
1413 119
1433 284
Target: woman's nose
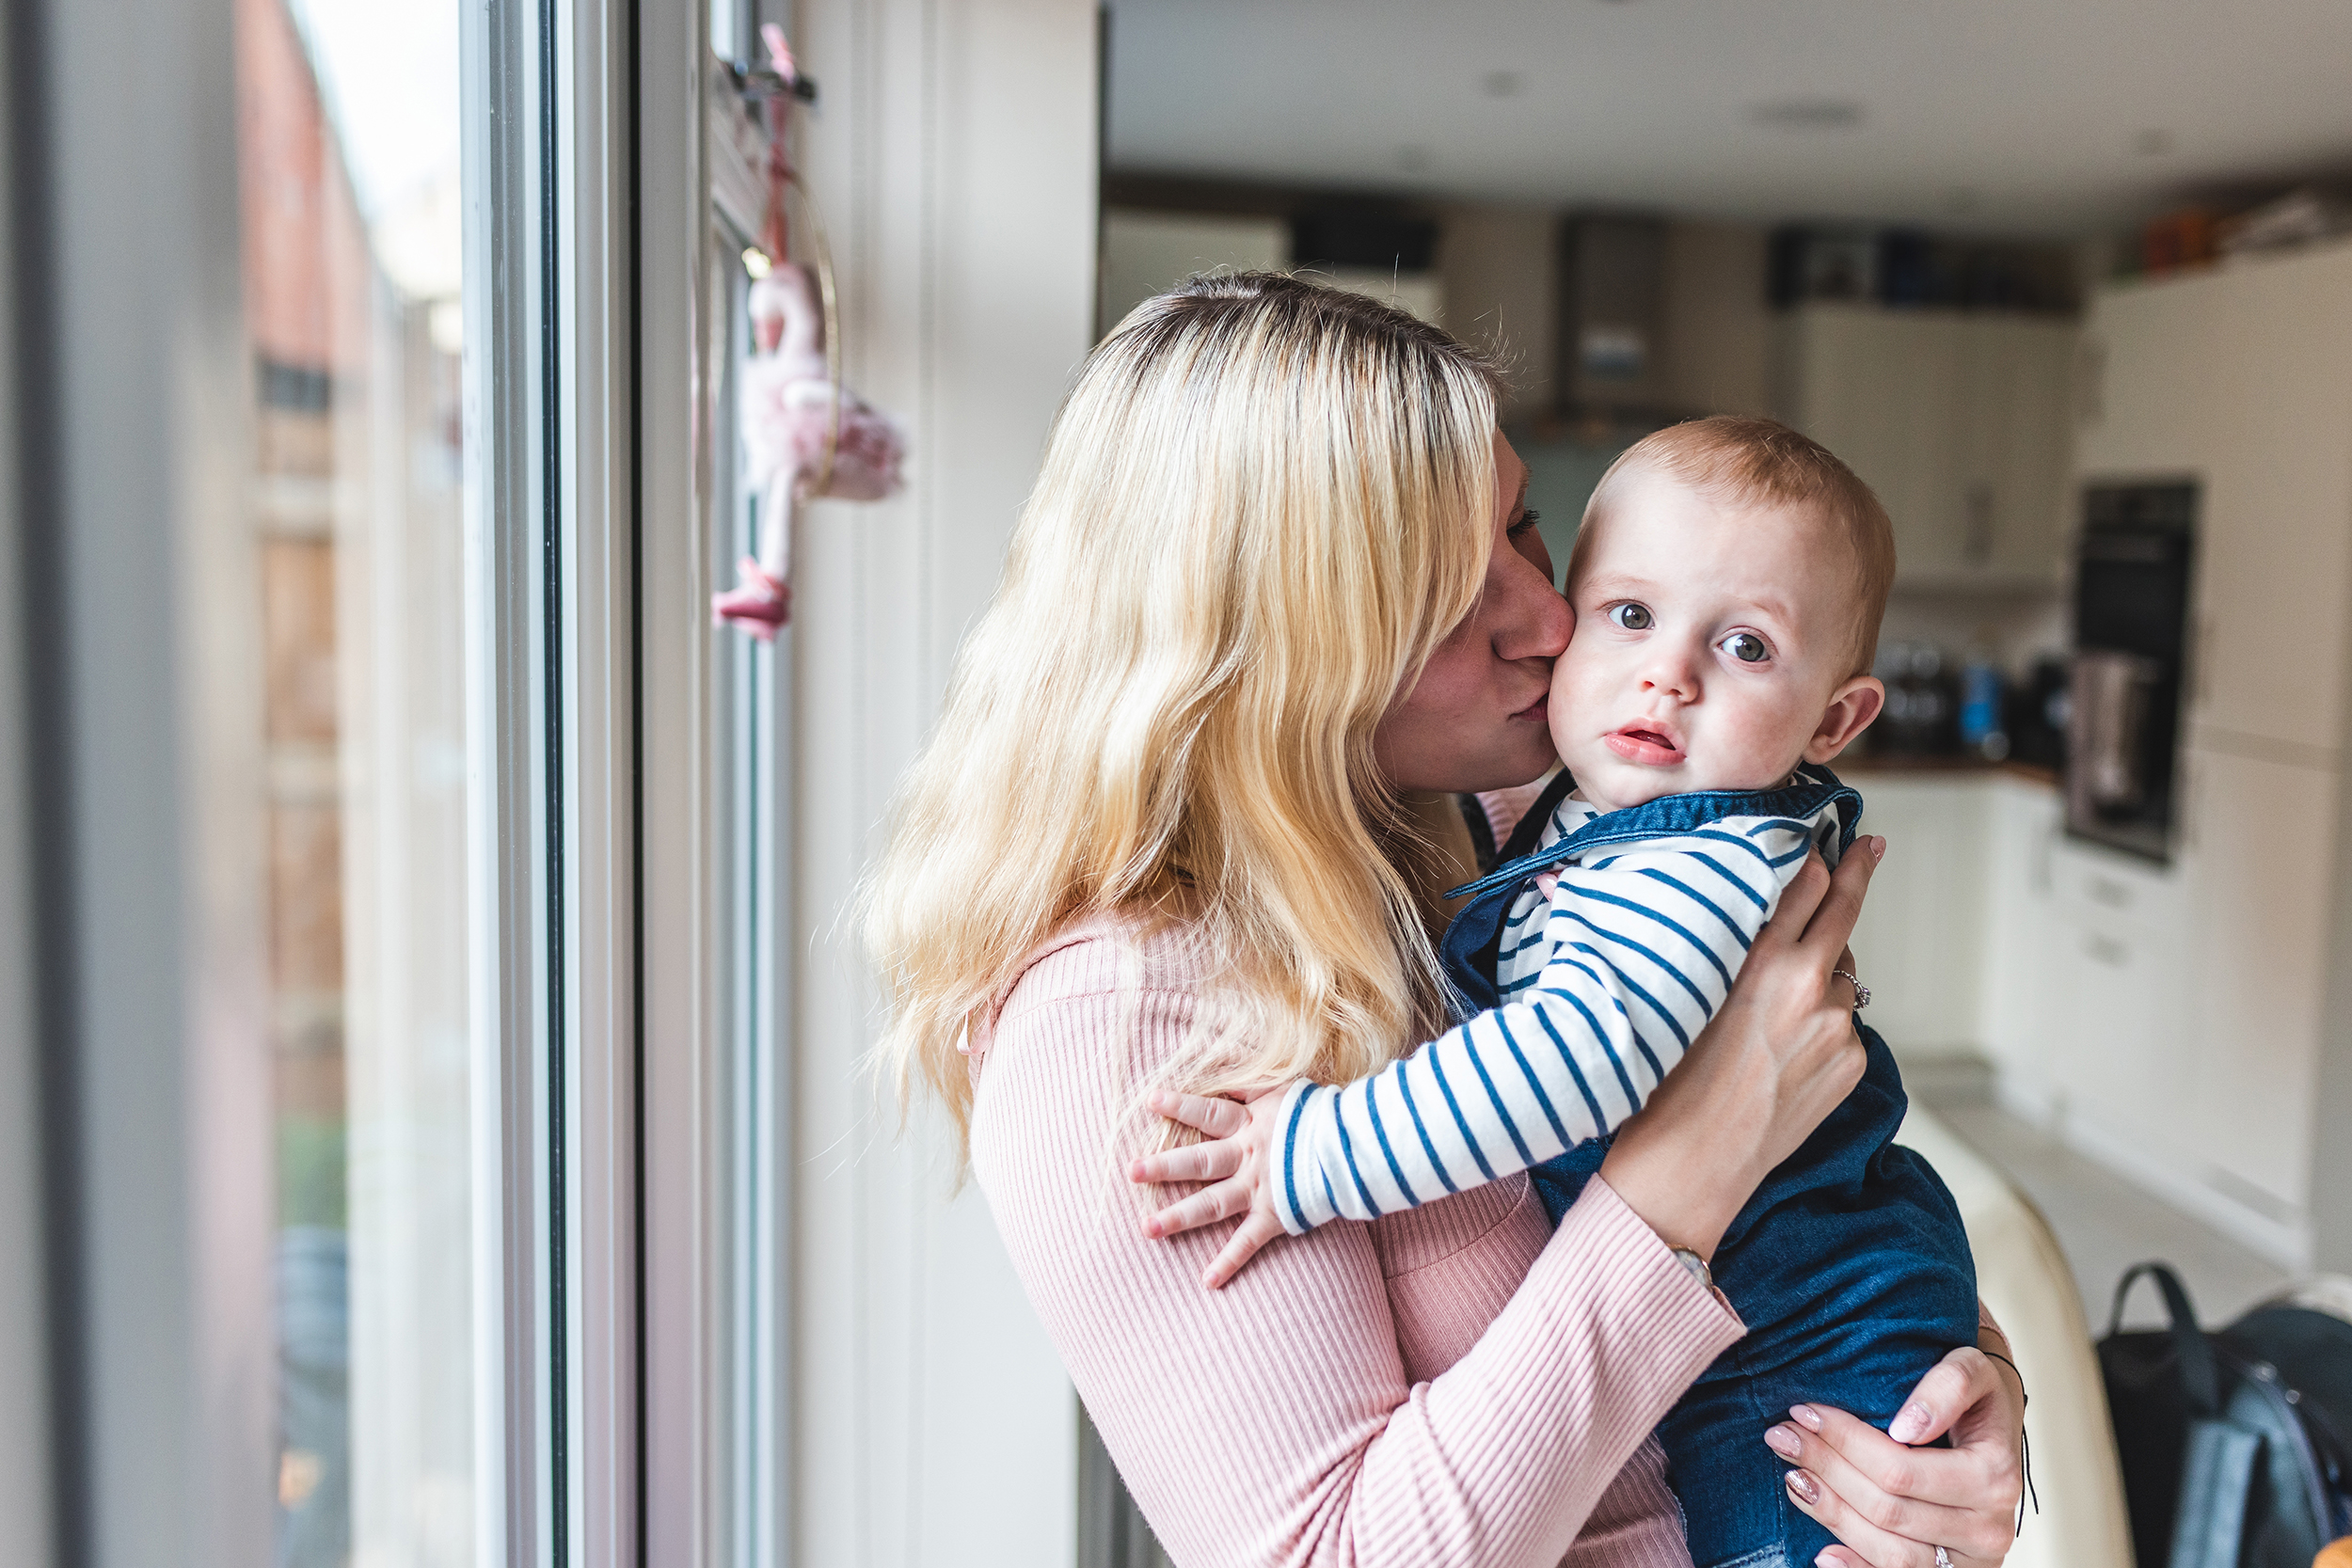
1539 622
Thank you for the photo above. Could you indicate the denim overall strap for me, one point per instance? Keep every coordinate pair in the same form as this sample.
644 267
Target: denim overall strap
1474 938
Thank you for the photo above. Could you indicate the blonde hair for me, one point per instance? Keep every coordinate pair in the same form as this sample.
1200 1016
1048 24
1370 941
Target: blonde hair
1262 507
1764 462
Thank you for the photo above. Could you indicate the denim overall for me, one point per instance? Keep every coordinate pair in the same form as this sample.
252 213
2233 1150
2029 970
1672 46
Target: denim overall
1850 1265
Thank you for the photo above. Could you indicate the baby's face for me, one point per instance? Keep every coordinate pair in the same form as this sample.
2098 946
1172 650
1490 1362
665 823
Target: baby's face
1712 648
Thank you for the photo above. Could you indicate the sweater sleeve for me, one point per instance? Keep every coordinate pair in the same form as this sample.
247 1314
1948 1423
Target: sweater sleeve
1273 1421
1639 948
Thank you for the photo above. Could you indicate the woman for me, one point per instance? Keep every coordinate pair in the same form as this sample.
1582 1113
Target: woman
1276 577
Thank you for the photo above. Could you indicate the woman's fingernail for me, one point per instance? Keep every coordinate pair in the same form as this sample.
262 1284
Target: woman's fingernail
1152 1229
1783 1442
1825 1560
1877 847
1910 1424
1807 1417
1801 1484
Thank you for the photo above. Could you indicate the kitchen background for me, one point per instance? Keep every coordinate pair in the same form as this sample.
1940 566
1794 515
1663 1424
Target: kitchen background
2082 314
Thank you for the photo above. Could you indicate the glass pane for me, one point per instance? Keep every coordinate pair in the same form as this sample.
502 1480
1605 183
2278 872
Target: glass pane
348 137
752 770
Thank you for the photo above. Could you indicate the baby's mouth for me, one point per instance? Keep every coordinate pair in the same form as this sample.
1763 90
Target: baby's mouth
1638 743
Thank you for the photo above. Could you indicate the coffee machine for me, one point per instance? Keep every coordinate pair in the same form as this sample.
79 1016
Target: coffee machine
2131 637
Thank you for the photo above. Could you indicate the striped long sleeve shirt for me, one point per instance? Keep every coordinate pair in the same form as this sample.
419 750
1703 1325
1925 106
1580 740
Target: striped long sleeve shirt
1618 939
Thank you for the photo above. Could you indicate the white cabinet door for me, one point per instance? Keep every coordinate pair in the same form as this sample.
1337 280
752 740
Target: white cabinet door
1963 424
2122 982
2022 932
1882 389
1920 946
2264 851
2242 378
2017 437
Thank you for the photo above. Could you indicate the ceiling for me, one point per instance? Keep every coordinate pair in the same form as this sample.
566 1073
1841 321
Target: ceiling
2029 116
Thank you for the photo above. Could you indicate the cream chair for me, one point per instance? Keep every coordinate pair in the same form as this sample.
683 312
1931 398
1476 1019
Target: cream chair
2024 1280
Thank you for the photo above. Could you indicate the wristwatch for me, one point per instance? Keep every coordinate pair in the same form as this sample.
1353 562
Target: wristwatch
1697 1266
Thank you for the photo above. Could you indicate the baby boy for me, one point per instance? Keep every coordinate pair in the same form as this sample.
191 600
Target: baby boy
1728 583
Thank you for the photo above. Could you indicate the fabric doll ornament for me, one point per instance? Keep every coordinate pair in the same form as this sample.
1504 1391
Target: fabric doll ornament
805 435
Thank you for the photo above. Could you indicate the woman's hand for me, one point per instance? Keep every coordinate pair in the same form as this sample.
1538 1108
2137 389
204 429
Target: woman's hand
1233 1158
1893 1505
1754 1086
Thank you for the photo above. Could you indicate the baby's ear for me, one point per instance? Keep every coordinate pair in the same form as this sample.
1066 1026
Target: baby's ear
1851 710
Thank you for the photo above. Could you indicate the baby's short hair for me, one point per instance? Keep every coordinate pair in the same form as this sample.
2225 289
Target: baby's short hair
1763 462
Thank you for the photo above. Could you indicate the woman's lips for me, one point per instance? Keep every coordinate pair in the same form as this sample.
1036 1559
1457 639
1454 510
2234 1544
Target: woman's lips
1647 747
1538 710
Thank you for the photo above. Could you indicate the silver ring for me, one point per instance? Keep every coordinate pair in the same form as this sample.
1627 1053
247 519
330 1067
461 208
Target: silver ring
1943 1557
1861 1000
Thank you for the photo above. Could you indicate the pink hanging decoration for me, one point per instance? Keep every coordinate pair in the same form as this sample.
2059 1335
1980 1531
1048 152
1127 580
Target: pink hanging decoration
805 435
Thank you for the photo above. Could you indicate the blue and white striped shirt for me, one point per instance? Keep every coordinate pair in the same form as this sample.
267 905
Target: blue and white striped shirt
1608 965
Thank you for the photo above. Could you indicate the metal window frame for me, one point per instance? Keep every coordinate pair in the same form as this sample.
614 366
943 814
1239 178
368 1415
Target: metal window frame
591 401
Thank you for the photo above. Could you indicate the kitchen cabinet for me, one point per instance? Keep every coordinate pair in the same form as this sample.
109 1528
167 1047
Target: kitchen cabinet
2241 378
1921 942
2168 1020
2021 1038
2121 984
1960 422
2264 830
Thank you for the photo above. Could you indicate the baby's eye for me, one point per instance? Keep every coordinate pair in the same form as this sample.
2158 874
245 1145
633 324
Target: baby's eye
1746 647
1632 617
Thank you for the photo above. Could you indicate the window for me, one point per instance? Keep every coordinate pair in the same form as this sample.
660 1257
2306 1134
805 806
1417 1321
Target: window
348 133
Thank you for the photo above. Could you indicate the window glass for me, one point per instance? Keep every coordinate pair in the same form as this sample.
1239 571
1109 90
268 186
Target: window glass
348 143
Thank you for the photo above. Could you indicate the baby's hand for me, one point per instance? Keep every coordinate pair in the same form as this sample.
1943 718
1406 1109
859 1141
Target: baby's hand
1233 1159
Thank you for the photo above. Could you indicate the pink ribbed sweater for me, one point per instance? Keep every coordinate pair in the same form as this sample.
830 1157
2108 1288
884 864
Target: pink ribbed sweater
1454 1385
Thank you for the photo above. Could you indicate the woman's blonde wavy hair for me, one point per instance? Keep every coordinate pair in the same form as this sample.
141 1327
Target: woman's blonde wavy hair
1262 506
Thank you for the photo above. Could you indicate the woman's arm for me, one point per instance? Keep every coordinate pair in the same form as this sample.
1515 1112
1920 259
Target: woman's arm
1776 1059
1275 1420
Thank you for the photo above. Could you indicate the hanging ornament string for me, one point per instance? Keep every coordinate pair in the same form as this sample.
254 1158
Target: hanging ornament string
783 181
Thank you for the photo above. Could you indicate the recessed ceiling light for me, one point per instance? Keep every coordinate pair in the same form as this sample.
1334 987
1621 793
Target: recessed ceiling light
1808 114
1501 83
2152 143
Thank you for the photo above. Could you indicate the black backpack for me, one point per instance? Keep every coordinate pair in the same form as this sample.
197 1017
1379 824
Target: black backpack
2231 1442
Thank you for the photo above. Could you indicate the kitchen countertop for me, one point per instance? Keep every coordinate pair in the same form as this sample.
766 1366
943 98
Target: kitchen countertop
1947 766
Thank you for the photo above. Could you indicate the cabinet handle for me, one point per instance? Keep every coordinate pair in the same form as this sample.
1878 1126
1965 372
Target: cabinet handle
1976 545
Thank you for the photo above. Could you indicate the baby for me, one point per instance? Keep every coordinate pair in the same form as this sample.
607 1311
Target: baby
1728 583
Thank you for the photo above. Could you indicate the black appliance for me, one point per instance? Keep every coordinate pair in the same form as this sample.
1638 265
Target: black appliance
2038 710
2131 639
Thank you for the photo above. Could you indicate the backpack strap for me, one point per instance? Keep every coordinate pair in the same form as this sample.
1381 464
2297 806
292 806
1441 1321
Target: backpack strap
2200 1378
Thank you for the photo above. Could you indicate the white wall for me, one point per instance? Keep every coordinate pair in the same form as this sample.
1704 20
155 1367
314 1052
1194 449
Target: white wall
954 155
153 918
